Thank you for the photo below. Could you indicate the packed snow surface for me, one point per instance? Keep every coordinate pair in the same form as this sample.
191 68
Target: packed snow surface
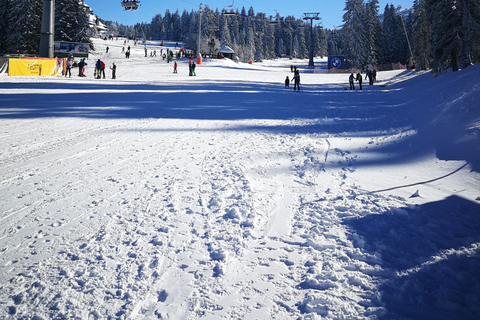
225 196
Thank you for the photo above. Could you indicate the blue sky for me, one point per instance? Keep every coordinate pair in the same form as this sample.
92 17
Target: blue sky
331 11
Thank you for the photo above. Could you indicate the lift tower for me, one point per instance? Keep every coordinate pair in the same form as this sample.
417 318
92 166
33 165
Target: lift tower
311 17
46 37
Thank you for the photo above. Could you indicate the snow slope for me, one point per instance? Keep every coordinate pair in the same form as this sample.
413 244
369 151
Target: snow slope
226 196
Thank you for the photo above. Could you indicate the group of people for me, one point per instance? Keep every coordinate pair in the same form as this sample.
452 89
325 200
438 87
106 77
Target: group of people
371 75
100 70
295 79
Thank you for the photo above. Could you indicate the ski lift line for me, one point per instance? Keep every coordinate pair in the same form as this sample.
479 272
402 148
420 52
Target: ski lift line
258 5
195 4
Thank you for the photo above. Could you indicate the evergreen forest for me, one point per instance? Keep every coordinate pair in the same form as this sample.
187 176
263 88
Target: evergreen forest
437 34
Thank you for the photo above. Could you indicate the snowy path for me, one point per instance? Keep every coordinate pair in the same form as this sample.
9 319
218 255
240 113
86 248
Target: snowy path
229 198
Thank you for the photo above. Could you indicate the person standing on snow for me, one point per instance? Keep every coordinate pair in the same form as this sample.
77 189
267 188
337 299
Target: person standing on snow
98 67
69 67
287 83
296 80
370 77
102 69
350 79
175 67
193 69
81 66
114 71
359 79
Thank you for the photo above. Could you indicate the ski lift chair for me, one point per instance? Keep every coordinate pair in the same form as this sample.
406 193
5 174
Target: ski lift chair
130 4
275 21
230 10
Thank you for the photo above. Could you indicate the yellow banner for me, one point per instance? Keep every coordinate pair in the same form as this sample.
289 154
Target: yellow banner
32 67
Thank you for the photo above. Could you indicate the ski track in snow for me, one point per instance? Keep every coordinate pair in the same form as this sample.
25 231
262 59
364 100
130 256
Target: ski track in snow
171 218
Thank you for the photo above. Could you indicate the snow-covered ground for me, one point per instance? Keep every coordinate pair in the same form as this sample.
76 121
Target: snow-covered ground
226 196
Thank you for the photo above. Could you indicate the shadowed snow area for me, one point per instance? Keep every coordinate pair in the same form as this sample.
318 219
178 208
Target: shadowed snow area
227 196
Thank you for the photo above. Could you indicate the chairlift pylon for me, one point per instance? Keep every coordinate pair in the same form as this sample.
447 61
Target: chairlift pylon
130 4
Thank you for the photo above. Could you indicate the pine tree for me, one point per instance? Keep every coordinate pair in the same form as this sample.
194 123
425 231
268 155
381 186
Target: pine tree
24 27
321 48
176 27
372 30
167 23
64 20
354 32
269 42
281 50
4 14
225 39
421 35
396 41
80 28
446 42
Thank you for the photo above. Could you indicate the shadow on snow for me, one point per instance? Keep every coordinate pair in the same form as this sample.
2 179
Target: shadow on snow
327 111
436 276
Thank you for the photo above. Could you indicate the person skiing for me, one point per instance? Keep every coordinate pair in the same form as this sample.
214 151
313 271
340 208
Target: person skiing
287 82
296 80
114 71
350 79
175 67
359 79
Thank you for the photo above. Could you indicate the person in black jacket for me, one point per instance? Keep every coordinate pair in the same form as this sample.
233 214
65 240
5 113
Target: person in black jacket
114 71
81 65
296 80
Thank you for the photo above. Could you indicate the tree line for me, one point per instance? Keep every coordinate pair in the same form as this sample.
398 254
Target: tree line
253 36
437 34
21 22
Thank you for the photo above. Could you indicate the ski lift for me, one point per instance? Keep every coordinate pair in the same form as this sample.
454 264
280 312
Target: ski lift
130 4
275 21
213 27
230 10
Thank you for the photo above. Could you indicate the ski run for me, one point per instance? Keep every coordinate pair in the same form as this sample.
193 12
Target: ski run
225 196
